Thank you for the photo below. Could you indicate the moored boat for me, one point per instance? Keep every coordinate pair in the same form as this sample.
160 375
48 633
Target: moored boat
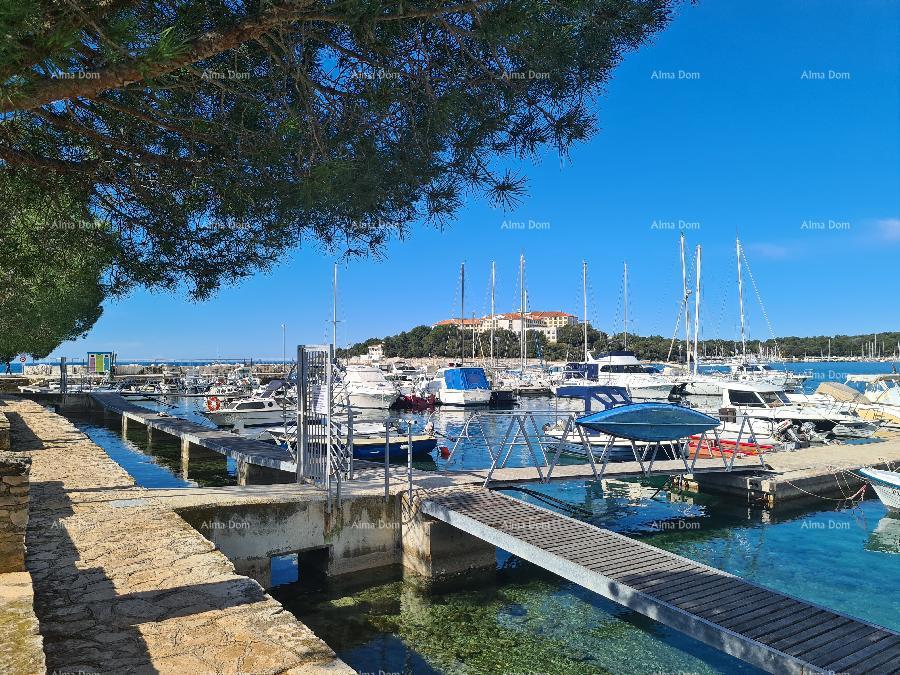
651 422
886 485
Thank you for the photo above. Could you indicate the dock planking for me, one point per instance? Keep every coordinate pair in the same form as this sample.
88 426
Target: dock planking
771 630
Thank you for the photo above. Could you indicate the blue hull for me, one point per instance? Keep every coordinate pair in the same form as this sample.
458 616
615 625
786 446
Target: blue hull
649 422
373 451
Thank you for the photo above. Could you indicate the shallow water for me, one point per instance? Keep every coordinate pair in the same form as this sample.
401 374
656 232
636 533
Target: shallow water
527 620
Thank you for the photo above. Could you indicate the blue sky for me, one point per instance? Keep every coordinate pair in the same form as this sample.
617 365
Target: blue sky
745 144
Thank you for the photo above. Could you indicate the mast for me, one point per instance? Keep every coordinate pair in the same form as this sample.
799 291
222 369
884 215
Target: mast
625 277
462 312
493 285
687 309
522 309
334 308
584 297
741 300
697 317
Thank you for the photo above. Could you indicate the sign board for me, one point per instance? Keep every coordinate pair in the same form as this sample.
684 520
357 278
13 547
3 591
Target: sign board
100 363
23 358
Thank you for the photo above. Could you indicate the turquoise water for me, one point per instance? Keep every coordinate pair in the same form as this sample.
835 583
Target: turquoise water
524 619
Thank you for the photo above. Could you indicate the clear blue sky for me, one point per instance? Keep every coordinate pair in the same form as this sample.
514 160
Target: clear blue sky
747 145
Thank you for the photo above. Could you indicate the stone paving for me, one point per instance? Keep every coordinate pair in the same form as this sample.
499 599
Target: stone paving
123 584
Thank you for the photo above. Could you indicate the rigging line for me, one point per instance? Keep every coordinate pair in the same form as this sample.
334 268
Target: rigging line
759 299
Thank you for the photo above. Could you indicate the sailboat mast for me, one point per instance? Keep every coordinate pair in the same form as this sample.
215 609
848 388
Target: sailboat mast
741 300
334 308
584 298
625 277
697 317
493 285
687 307
522 309
462 312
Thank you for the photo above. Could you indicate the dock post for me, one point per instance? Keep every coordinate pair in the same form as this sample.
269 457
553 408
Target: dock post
149 437
409 455
185 457
387 460
124 425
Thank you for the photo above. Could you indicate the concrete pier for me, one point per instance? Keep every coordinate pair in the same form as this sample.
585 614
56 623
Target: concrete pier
123 584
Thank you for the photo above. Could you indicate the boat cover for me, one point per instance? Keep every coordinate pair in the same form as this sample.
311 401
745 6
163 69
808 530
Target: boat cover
466 378
649 422
840 392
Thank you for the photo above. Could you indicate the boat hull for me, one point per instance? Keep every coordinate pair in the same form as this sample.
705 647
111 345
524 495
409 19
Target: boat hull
465 397
649 422
886 485
372 400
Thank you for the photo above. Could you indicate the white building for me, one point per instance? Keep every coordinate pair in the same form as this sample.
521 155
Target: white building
376 352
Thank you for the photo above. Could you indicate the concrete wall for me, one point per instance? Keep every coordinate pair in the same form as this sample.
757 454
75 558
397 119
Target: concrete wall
363 534
14 470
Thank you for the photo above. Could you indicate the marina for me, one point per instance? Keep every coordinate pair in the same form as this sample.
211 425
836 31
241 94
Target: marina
489 338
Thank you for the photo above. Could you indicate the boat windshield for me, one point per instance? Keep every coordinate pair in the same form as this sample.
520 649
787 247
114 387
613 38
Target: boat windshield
365 375
774 399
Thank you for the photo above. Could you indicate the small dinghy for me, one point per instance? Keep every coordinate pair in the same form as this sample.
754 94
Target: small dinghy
886 485
650 422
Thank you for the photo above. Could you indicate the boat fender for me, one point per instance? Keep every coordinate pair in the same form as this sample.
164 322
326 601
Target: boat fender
213 403
445 452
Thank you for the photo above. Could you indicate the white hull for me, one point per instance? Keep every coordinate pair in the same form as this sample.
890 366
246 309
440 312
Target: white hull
250 418
375 401
465 397
886 485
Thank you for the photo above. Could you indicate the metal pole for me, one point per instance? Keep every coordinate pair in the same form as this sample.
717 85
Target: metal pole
329 376
741 300
522 309
584 298
625 277
687 308
387 459
300 439
409 455
334 309
697 317
462 313
493 284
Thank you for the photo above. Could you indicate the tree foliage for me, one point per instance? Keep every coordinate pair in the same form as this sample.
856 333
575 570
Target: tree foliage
444 342
211 135
52 261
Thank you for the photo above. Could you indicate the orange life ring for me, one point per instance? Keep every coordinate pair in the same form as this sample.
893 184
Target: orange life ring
213 403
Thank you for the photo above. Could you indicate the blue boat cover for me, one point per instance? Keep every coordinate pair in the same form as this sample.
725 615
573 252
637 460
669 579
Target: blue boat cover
466 378
649 422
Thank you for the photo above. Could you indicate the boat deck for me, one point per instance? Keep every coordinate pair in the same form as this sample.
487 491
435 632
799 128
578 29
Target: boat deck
771 630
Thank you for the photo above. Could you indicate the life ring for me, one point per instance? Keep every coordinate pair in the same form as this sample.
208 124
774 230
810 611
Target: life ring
213 403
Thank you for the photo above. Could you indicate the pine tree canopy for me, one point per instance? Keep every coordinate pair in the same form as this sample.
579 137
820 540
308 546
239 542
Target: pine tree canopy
212 135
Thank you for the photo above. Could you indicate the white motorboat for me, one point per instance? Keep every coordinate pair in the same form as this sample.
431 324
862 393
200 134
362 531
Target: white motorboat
771 403
617 369
269 407
367 387
886 485
460 386
752 371
883 389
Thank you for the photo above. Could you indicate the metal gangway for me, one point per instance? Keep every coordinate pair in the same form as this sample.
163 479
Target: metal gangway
547 435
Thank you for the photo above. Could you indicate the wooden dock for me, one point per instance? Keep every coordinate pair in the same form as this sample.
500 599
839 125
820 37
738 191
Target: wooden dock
232 445
771 630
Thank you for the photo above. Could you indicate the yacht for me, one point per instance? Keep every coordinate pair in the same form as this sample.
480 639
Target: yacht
772 404
460 386
616 369
883 389
367 387
750 371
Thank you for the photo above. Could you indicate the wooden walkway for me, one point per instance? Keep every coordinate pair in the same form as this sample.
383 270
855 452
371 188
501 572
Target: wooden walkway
771 630
229 444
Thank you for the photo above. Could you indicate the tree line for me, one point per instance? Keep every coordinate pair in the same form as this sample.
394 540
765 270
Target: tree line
448 341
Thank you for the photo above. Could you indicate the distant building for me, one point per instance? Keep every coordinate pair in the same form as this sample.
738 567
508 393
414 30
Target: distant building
546 323
376 352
